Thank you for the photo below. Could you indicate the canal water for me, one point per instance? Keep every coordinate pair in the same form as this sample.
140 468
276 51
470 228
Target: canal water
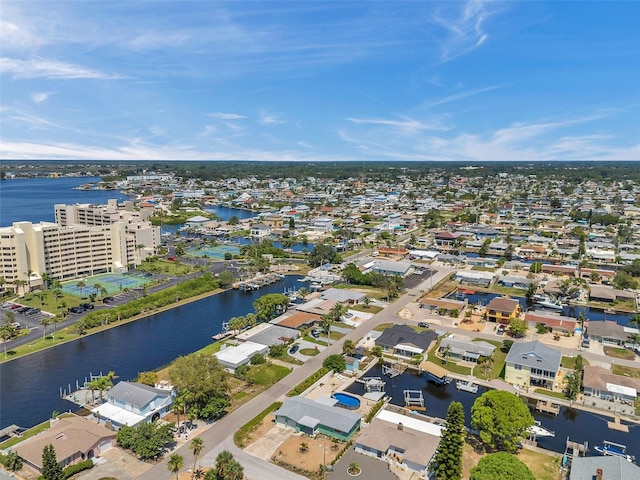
579 426
30 385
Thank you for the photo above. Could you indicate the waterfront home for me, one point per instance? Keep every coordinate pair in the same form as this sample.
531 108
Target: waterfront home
310 417
603 293
435 305
298 320
403 440
602 383
603 468
473 277
515 281
551 321
609 332
404 342
532 364
233 357
463 348
268 334
385 267
260 230
197 222
74 439
130 403
560 270
503 309
343 295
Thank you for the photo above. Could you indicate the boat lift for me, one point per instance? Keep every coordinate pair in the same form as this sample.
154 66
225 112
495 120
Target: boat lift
414 400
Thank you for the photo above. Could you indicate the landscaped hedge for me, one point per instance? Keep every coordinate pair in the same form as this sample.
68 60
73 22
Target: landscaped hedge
189 288
301 387
372 413
71 470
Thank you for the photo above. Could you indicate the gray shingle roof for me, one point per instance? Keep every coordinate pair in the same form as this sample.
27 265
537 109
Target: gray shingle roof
301 410
534 355
613 468
136 394
405 334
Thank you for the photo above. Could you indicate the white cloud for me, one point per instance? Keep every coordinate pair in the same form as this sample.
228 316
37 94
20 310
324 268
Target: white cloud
15 36
226 116
38 67
40 96
460 96
406 124
269 119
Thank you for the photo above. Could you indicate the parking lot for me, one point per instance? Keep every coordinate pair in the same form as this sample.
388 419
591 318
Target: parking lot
27 317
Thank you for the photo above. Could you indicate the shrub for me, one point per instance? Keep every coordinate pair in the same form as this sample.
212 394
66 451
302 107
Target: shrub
302 386
77 468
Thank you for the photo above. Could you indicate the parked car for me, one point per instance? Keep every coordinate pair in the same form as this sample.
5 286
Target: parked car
76 309
500 330
423 324
6 305
15 306
32 311
87 306
315 333
23 309
107 300
293 349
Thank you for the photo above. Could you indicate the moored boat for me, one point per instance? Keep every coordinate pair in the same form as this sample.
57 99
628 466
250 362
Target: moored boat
615 450
467 386
538 430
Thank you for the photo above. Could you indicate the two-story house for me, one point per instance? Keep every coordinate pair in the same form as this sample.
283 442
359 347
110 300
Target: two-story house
130 403
404 342
503 309
532 364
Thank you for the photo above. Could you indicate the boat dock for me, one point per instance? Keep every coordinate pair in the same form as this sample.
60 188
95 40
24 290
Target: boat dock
547 406
258 282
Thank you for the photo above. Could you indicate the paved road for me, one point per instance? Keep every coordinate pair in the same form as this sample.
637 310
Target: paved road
220 436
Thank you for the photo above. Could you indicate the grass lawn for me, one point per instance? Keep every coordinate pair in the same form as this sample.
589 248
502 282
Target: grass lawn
165 266
372 309
383 326
309 352
543 466
50 303
266 374
617 352
499 357
309 338
626 371
549 393
570 362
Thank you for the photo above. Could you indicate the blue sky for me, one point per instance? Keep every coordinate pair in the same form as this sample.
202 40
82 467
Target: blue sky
314 81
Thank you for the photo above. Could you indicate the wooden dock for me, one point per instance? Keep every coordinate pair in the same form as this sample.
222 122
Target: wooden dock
258 282
547 406
617 425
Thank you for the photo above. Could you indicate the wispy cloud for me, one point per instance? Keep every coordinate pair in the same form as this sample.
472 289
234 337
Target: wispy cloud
465 27
226 116
266 118
405 124
38 67
460 95
40 97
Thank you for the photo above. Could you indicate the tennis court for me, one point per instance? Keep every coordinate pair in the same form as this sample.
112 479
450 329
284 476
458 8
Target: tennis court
111 282
217 251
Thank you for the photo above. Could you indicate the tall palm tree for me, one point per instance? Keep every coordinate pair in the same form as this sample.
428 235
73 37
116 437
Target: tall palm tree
337 312
97 288
57 294
46 278
81 285
177 407
196 447
45 322
175 463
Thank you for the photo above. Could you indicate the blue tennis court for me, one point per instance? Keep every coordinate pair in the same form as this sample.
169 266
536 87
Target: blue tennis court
111 282
217 251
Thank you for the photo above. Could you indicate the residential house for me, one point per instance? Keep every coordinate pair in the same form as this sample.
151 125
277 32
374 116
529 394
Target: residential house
311 417
603 468
551 321
515 281
399 439
260 230
197 222
385 267
603 293
609 332
323 224
233 357
403 341
437 305
446 239
268 334
503 309
343 295
532 364
74 439
130 403
298 320
602 383
473 277
463 348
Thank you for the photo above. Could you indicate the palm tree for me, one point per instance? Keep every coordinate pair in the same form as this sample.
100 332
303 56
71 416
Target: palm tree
635 338
101 384
45 322
178 407
55 320
304 447
196 447
354 468
20 283
41 296
57 294
337 312
175 463
446 352
46 278
303 293
348 347
97 288
28 273
81 284
6 334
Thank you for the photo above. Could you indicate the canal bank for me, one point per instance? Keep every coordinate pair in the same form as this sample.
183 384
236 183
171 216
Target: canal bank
31 384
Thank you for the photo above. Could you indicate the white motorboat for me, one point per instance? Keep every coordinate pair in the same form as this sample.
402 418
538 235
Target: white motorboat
467 386
545 301
537 430
615 450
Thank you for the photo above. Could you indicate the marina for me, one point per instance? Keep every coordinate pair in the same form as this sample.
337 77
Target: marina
256 283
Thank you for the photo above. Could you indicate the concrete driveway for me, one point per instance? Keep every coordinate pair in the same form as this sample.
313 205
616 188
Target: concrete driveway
266 445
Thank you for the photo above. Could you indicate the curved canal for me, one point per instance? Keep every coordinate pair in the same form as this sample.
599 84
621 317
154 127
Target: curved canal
31 385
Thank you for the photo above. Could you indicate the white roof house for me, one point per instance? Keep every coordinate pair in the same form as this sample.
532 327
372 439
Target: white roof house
233 357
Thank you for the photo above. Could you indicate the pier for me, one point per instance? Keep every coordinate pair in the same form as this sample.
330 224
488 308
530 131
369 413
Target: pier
256 283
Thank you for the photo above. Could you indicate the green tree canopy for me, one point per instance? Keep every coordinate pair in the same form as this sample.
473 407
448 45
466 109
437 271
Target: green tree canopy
51 469
448 460
267 306
202 382
501 419
323 253
147 440
517 327
501 466
335 362
226 468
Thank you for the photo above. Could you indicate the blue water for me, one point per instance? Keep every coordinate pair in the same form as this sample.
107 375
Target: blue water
32 199
225 213
31 384
347 401
578 425
298 247
482 298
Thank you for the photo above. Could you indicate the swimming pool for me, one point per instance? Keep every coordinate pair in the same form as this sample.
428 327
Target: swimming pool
346 401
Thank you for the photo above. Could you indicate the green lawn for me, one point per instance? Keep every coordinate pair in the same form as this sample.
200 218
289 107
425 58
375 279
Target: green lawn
549 393
372 309
617 352
166 267
499 356
309 352
266 374
626 371
449 365
383 326
49 302
309 338
570 362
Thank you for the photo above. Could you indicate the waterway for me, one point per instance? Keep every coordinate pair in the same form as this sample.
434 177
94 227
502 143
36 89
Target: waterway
579 426
32 199
31 385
